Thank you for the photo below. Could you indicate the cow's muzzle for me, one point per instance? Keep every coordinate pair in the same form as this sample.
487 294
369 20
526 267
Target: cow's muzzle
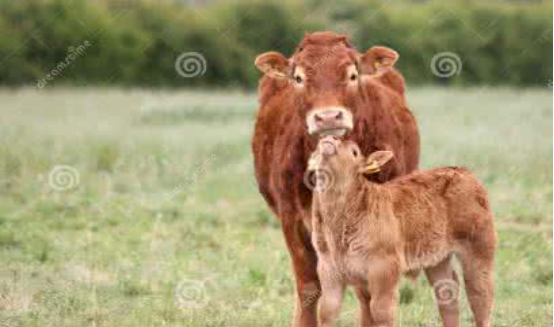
329 121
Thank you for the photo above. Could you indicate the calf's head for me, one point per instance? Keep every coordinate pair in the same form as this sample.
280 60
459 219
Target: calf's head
327 74
343 161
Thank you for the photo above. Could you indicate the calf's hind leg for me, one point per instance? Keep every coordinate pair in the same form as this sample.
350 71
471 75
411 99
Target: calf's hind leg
446 288
479 283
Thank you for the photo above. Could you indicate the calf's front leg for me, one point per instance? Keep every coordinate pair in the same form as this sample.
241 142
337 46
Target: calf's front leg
383 287
364 298
331 298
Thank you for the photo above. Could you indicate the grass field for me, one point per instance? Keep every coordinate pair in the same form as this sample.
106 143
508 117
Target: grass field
134 208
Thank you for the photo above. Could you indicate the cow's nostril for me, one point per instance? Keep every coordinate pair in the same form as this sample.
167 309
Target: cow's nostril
318 118
338 116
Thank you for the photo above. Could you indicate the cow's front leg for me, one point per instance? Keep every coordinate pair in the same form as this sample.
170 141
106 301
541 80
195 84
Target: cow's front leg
304 262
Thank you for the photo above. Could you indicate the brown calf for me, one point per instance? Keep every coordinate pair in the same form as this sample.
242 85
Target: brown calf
368 234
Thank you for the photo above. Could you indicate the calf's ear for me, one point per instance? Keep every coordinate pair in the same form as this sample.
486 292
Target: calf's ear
377 60
273 64
375 161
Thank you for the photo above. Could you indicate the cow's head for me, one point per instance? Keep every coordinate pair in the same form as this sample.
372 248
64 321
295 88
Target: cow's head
326 73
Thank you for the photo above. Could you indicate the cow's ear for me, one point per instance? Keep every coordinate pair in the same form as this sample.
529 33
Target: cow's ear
377 60
375 161
273 64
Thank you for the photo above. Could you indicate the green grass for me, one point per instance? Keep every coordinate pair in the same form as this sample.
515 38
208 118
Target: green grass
165 226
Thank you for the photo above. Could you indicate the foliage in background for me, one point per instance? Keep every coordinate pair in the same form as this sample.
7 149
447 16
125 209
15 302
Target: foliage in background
136 43
497 43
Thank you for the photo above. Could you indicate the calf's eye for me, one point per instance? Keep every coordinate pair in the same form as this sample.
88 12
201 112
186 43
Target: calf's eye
353 77
298 79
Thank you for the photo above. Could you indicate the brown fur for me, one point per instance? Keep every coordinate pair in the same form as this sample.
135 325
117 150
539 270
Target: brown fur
281 144
368 234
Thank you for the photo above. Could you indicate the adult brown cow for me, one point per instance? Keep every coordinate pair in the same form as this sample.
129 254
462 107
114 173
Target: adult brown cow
327 87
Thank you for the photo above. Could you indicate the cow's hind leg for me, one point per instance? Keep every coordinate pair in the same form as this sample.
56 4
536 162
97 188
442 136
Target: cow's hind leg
304 262
445 284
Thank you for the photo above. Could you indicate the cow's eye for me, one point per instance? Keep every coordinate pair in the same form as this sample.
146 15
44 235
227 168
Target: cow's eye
352 73
355 152
299 76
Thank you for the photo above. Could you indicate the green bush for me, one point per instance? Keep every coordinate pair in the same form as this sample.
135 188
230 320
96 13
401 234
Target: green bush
496 43
137 43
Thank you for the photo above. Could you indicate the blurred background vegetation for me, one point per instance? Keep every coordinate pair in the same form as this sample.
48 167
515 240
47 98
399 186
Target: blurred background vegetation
136 42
